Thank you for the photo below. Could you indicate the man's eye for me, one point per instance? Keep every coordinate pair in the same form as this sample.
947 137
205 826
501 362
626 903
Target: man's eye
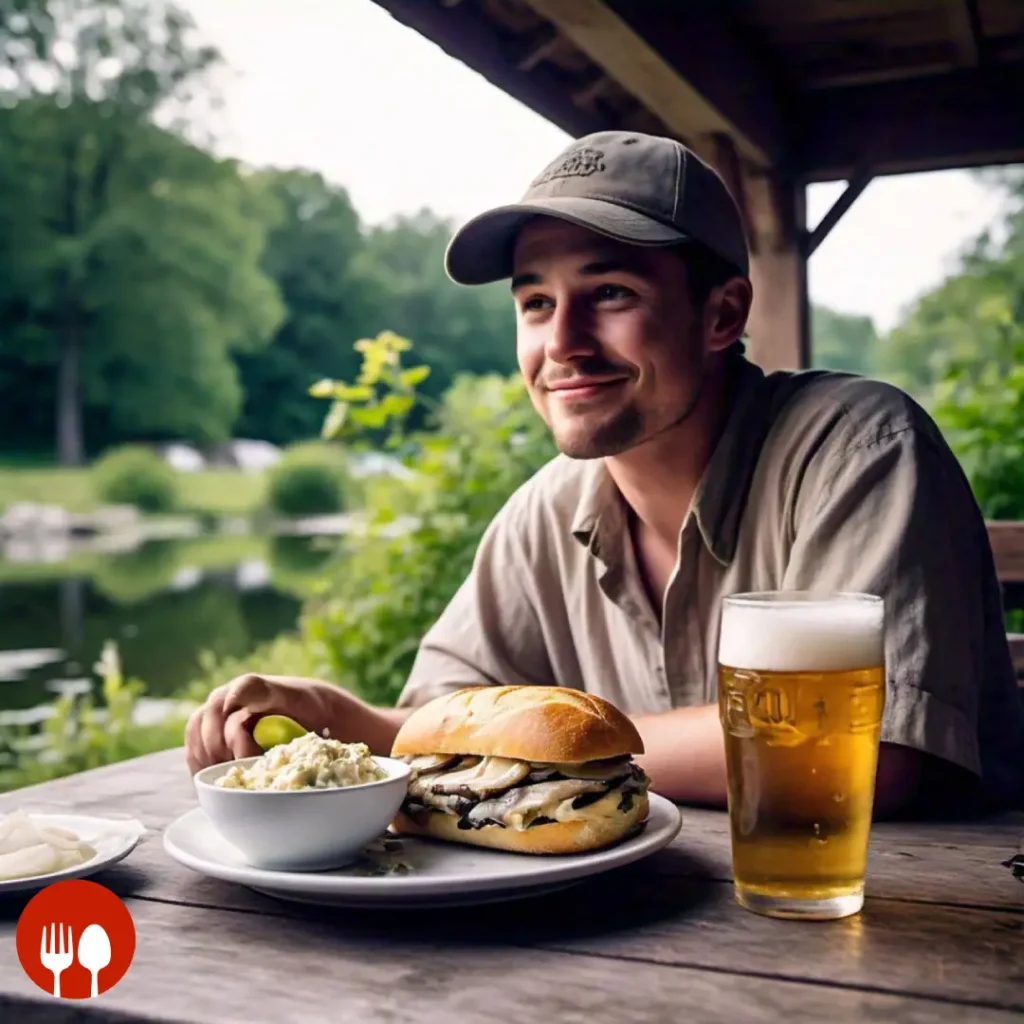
534 303
612 293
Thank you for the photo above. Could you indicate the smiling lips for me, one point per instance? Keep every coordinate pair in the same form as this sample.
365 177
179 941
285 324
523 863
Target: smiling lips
579 388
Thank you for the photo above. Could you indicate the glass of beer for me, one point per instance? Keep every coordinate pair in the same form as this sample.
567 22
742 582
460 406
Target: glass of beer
801 693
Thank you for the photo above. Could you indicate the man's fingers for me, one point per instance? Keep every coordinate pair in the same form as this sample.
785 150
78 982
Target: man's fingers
237 736
217 731
195 752
212 732
252 692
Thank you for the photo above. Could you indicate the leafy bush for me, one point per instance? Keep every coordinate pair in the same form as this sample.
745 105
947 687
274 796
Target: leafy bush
134 475
364 629
308 481
980 409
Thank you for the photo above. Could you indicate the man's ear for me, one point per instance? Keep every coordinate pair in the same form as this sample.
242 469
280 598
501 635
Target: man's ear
726 313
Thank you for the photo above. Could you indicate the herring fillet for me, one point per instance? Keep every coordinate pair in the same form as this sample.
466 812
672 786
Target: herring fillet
28 849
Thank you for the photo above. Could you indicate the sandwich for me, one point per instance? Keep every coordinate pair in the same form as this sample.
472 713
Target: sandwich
527 769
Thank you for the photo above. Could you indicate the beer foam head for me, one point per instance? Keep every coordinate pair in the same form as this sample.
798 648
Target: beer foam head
793 633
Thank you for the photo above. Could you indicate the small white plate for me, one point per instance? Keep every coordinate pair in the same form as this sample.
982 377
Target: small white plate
439 873
112 838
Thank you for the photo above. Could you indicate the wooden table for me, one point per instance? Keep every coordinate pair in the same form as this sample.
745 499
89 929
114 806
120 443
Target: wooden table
941 938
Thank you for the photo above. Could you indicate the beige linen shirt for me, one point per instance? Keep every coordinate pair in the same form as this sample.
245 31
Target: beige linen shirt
819 481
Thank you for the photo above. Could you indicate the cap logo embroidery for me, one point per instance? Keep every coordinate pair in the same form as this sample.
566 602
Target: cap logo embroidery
578 164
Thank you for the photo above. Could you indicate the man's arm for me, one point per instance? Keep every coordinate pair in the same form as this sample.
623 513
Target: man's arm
891 514
685 758
684 754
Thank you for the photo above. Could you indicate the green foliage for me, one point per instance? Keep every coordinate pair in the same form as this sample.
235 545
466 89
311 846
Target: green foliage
843 341
980 409
457 330
340 281
84 733
311 245
364 628
308 481
129 257
134 475
961 351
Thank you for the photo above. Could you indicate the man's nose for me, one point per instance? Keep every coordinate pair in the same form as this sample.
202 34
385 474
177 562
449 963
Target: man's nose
570 335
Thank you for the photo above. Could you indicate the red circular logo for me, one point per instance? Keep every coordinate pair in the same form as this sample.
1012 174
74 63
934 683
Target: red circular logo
75 939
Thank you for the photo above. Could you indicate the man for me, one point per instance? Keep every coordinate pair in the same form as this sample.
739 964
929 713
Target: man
688 474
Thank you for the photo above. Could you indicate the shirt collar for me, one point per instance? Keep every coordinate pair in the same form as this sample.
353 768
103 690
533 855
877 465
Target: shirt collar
722 492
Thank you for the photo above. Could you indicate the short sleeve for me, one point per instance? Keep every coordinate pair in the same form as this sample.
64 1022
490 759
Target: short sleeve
894 517
490 632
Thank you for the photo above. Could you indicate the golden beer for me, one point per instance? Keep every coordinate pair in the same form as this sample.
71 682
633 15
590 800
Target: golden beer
801 694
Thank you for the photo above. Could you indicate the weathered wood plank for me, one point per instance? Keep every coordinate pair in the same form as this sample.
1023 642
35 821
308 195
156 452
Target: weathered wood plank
1016 642
637 914
214 967
1007 540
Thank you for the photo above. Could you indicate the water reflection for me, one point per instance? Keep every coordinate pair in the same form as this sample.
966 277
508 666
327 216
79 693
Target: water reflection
164 604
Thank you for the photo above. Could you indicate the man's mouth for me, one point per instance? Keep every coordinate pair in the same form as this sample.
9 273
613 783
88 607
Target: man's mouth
581 388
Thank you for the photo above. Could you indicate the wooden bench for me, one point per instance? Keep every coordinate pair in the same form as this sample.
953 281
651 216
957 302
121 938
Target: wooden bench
1007 540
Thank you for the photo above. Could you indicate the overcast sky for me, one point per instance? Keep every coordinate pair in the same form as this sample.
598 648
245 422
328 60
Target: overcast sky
338 86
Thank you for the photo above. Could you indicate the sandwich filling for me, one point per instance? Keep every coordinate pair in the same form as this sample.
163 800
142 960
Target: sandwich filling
482 791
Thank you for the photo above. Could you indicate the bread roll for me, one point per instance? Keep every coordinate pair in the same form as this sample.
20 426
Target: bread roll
528 723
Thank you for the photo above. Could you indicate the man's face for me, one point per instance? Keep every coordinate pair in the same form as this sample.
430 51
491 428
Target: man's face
608 342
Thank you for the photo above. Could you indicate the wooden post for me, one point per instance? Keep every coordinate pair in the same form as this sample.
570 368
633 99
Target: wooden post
779 326
775 216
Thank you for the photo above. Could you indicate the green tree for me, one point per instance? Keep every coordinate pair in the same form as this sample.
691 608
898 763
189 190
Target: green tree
457 329
843 341
129 257
310 251
341 280
961 350
957 326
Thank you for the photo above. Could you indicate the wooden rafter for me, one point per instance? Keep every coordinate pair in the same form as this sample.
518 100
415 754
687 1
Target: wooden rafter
965 30
807 90
954 120
549 44
637 65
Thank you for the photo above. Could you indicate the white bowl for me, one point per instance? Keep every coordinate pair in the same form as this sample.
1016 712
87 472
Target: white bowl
302 829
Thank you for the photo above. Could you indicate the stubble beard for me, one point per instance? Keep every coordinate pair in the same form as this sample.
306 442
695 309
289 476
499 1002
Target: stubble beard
620 432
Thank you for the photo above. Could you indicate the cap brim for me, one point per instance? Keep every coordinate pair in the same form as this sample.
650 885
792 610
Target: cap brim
481 250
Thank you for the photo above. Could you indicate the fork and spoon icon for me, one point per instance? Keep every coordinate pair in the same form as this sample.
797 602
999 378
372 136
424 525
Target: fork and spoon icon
58 954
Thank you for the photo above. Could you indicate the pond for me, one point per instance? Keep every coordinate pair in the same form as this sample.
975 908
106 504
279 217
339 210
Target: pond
163 604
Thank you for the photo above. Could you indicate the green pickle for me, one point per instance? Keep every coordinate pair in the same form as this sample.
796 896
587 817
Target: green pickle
273 730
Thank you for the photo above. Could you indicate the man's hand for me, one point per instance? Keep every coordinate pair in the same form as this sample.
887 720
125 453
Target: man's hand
220 730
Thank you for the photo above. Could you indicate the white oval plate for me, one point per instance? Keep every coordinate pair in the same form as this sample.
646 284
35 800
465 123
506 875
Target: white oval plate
112 838
440 873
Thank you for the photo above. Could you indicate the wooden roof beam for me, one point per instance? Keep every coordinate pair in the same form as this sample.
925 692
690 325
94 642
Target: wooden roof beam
859 181
547 45
969 118
965 30
681 65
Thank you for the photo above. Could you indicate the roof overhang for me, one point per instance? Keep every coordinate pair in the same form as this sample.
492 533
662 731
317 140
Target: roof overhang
812 91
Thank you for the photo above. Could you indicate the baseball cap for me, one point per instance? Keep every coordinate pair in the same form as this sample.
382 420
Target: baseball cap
637 188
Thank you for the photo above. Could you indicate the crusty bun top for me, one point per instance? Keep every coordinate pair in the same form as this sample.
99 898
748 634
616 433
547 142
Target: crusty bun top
526 723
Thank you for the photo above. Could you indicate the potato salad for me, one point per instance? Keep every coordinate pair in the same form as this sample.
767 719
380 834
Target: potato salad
308 762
